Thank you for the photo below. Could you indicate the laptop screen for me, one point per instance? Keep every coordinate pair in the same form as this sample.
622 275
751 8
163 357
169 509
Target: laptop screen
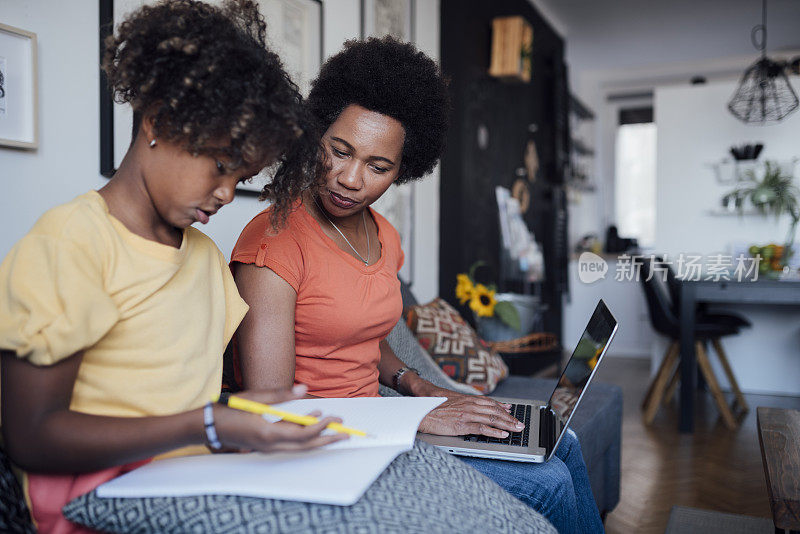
581 366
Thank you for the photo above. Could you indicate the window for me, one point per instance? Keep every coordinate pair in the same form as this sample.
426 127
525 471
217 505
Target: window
635 176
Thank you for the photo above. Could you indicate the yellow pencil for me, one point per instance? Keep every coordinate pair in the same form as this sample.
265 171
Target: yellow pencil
245 405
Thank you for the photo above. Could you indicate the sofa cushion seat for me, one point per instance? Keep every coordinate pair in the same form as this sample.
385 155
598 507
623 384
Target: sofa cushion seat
423 491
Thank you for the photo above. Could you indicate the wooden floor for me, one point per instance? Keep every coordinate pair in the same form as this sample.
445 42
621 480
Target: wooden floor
713 469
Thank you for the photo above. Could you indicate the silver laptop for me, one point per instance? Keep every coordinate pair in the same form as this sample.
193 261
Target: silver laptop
545 422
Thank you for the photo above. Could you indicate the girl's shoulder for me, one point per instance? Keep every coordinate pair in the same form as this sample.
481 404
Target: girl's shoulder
201 243
81 220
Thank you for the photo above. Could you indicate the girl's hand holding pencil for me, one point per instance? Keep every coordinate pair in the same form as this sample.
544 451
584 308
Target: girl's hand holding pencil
242 429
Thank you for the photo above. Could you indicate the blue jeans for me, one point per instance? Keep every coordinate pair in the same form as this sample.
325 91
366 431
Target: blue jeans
558 489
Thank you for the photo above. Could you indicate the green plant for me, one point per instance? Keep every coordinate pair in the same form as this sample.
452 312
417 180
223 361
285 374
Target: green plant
774 194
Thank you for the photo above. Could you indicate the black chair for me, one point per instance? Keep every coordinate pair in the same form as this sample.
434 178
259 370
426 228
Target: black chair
701 312
665 321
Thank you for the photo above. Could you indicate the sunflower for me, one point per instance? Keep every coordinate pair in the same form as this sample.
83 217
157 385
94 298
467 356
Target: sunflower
482 301
464 288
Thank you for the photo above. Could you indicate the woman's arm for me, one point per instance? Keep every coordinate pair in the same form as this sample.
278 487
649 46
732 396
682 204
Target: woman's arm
410 383
266 334
42 434
460 414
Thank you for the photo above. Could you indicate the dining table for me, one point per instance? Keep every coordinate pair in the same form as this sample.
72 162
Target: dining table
763 290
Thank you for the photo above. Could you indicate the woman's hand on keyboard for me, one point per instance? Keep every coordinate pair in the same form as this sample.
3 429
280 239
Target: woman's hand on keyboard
470 414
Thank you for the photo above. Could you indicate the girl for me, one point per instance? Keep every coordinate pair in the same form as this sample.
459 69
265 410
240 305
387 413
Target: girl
325 290
114 311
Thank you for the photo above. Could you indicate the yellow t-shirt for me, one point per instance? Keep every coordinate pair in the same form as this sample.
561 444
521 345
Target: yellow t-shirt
152 320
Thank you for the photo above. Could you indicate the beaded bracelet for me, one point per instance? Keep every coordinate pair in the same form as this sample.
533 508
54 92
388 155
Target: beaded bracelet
211 429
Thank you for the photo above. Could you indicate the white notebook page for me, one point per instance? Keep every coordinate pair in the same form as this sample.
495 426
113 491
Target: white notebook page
338 474
387 420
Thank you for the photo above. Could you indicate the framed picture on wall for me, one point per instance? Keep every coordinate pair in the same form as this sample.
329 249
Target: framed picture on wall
396 18
18 88
294 32
388 17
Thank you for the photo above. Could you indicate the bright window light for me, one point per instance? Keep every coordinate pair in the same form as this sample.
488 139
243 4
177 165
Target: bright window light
635 182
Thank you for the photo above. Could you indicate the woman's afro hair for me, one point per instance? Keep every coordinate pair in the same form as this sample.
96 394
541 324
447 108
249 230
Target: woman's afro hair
205 75
394 79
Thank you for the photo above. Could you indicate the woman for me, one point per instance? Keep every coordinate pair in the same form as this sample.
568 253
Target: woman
324 291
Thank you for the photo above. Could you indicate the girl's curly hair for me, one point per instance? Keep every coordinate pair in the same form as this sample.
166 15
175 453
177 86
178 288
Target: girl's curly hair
206 76
392 78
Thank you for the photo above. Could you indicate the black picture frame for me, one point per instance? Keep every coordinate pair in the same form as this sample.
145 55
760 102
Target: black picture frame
106 11
106 100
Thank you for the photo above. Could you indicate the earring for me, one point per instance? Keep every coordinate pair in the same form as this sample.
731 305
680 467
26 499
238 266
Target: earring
153 143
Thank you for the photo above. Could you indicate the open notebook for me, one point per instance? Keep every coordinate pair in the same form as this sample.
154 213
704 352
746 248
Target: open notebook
336 474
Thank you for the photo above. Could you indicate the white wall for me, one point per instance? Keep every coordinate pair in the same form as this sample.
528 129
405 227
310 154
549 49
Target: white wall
67 161
624 298
426 222
623 47
625 35
695 129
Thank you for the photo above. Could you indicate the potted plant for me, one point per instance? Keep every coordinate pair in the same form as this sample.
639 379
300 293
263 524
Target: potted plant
499 316
774 194
504 319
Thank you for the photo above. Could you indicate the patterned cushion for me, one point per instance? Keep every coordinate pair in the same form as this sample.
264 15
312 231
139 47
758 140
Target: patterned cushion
405 346
14 516
455 346
423 491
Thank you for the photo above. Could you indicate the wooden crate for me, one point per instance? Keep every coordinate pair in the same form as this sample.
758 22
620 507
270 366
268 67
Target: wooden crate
512 48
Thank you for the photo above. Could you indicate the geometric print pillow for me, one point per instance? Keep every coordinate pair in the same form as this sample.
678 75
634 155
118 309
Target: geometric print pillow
455 346
424 491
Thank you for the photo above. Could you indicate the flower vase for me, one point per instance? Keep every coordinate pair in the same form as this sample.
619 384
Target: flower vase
529 309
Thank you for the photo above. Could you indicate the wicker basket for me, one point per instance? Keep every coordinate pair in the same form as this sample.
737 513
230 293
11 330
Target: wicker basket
536 342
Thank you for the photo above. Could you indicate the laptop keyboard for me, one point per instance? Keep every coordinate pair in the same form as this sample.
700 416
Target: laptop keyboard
523 413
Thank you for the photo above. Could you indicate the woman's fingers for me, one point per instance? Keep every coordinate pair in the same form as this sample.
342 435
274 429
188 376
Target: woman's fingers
471 416
489 403
492 414
493 421
487 430
486 401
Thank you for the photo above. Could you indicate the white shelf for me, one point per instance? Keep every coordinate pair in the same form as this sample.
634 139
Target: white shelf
719 212
732 172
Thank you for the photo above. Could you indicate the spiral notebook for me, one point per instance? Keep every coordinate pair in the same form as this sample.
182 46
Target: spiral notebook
337 474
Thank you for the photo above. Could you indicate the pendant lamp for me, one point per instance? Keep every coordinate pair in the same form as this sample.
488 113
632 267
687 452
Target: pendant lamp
764 94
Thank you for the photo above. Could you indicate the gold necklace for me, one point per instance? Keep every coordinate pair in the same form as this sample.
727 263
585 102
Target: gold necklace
363 218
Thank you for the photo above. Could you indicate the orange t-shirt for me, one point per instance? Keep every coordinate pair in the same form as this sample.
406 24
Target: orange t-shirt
344 308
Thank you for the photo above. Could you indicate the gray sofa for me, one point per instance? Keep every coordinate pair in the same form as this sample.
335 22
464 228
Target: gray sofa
413 495
597 422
